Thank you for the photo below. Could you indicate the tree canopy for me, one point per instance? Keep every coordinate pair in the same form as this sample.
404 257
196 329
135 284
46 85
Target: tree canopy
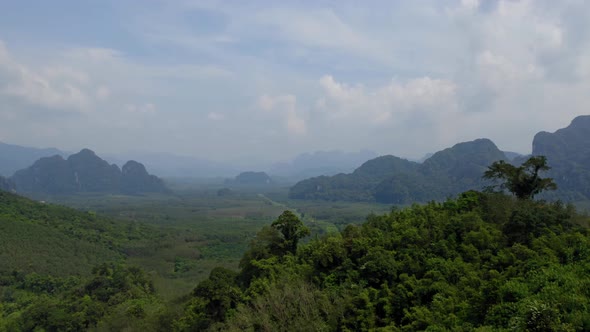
523 181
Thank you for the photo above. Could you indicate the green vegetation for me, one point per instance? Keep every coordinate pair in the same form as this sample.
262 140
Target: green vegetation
56 240
523 181
483 261
244 260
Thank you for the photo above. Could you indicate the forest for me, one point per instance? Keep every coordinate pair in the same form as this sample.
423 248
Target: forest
480 261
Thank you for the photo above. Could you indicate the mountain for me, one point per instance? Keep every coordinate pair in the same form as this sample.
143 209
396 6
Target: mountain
358 185
135 179
389 179
15 157
84 172
512 155
6 184
568 153
321 163
251 179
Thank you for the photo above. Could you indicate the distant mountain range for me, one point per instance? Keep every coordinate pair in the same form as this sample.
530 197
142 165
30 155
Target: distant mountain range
321 163
6 184
15 157
392 180
84 172
250 179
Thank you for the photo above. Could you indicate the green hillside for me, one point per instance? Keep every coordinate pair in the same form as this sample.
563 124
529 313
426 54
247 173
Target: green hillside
51 239
481 262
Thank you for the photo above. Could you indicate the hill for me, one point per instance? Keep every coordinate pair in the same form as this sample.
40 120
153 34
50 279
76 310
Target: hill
64 270
56 240
250 179
84 172
15 157
481 262
390 179
358 185
321 163
568 153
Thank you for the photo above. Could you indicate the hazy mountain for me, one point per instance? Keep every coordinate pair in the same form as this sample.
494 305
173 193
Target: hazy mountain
358 185
15 157
426 156
84 172
135 179
321 163
568 153
390 179
171 165
512 155
250 178
6 184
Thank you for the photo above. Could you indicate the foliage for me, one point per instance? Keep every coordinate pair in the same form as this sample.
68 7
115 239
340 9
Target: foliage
45 238
483 261
523 181
114 296
292 230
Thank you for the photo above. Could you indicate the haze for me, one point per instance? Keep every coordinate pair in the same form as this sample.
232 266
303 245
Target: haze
266 80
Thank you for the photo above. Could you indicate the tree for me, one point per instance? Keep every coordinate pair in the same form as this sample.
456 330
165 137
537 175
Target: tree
292 230
523 181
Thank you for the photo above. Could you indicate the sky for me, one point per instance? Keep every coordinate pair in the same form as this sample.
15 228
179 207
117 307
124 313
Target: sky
266 80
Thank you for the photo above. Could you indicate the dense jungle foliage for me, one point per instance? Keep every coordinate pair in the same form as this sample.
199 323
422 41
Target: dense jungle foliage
479 262
482 261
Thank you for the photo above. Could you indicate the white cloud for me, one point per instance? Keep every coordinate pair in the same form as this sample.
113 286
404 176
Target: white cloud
286 106
391 102
461 70
57 87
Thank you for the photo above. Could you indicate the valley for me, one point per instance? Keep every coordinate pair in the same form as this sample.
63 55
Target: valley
197 230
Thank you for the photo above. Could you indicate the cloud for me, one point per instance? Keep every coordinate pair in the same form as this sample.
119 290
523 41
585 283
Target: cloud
391 102
404 77
58 87
285 104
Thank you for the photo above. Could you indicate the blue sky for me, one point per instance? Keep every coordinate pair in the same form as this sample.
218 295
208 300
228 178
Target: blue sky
265 80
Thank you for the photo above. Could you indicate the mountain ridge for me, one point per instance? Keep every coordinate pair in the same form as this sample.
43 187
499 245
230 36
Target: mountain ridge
460 168
84 172
15 157
394 180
